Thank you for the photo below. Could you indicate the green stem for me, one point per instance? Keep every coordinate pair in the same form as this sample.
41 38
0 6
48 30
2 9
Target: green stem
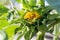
56 30
54 23
42 3
40 35
24 29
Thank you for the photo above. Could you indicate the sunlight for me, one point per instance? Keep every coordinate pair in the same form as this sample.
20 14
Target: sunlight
1 37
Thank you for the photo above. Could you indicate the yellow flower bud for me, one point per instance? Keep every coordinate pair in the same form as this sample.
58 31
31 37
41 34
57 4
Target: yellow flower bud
31 15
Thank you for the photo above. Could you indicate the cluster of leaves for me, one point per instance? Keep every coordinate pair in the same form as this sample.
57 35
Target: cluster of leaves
12 20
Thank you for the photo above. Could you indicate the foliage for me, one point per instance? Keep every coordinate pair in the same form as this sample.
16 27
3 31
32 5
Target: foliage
33 19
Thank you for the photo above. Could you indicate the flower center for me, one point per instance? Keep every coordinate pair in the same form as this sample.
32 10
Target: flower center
31 16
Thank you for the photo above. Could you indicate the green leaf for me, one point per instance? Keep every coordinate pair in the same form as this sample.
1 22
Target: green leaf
18 1
27 35
10 16
3 9
30 33
40 35
19 29
52 16
3 23
25 5
24 29
21 13
55 4
42 28
32 2
10 30
56 31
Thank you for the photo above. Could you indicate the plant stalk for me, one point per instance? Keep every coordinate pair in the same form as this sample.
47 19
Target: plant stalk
40 35
56 31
